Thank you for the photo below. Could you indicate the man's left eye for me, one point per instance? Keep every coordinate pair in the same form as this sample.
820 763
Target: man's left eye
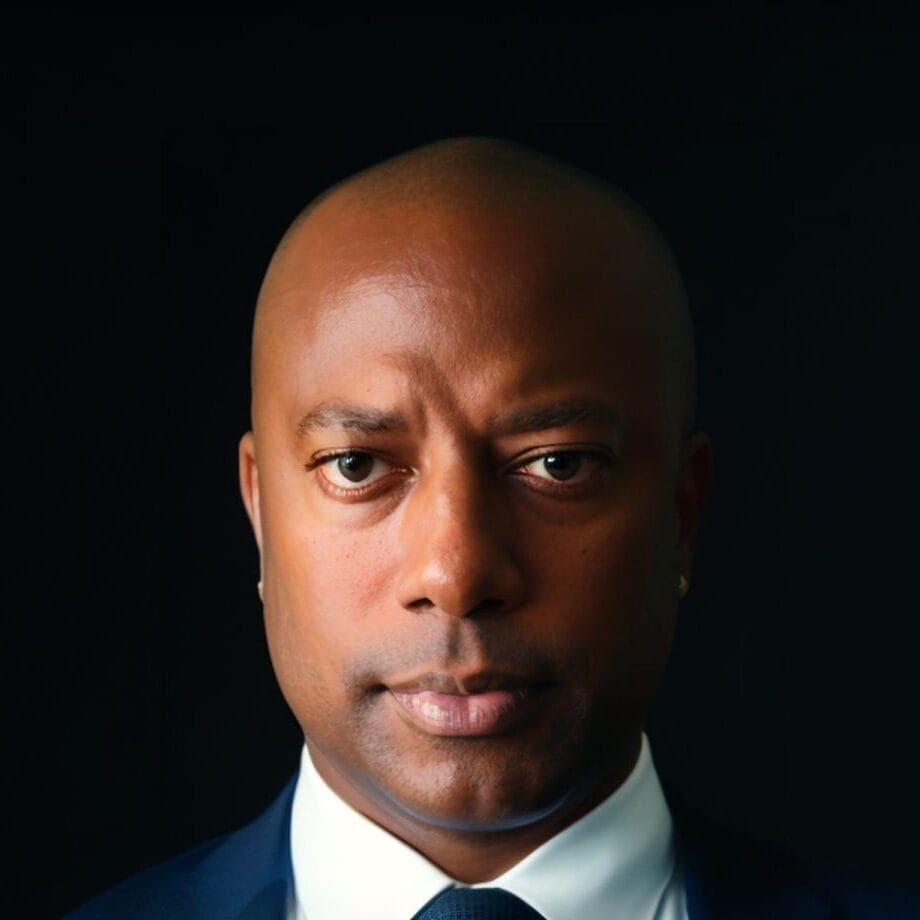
565 465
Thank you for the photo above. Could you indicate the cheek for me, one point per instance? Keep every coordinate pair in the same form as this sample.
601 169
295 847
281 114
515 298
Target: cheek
326 590
598 571
606 600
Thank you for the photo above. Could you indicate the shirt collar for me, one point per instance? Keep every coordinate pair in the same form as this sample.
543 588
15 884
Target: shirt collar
617 859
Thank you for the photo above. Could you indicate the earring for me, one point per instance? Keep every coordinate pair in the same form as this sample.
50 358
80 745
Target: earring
684 585
259 587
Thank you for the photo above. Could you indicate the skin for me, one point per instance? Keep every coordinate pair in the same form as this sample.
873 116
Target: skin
461 549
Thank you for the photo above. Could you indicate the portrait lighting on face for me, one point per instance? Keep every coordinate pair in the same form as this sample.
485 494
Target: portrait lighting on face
475 488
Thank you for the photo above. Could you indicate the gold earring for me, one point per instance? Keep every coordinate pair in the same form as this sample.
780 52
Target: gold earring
684 585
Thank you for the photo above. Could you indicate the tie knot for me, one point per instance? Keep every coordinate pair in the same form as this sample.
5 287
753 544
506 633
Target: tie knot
477 904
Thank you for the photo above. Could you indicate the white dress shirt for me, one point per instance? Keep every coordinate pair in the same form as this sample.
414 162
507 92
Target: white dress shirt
616 861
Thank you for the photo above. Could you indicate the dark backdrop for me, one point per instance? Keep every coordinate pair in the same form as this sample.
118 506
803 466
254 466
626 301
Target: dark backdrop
156 161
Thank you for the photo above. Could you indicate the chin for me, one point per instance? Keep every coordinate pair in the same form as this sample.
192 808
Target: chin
498 820
445 797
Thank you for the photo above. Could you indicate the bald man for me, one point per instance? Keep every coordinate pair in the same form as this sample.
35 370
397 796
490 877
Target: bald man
475 484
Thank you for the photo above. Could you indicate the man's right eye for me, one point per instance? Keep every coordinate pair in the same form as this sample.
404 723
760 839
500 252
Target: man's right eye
351 470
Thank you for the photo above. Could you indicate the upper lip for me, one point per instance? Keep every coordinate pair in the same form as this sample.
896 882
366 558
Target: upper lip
465 684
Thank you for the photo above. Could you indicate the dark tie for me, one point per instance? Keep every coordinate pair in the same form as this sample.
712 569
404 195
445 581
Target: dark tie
477 904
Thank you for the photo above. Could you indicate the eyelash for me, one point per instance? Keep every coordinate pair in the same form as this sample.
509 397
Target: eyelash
604 459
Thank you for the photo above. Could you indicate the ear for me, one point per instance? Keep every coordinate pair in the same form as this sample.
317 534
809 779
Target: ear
249 484
692 491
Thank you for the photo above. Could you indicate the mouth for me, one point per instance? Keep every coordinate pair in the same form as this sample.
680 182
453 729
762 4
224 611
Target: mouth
485 704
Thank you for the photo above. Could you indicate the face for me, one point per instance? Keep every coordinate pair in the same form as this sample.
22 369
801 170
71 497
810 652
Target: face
467 488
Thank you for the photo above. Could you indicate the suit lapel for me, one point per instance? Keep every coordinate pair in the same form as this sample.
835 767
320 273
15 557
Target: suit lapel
250 875
727 875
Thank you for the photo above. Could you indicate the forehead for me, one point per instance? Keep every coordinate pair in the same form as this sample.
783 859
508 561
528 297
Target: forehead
493 300
540 242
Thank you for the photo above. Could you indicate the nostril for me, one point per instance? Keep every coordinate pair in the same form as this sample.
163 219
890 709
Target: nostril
423 603
489 605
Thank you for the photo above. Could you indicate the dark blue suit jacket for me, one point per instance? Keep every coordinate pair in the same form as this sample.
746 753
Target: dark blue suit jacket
247 875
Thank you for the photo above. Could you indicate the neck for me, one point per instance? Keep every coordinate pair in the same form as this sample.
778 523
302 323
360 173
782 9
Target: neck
467 856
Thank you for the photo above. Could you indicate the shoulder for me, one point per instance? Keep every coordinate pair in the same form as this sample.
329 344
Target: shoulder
243 874
165 890
728 874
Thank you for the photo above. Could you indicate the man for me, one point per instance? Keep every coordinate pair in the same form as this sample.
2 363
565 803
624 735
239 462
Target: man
475 484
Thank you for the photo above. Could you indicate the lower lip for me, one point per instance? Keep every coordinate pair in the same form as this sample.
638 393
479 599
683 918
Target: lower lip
473 714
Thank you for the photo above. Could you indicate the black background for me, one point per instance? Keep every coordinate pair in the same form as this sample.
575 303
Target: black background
156 161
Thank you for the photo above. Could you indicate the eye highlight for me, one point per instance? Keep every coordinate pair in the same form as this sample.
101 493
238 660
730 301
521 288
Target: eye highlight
566 467
351 470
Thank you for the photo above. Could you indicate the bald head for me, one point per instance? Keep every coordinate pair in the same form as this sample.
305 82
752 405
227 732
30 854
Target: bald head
464 172
472 372
475 178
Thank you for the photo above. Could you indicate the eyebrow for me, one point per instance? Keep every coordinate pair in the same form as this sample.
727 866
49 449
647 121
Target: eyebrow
558 415
369 420
365 419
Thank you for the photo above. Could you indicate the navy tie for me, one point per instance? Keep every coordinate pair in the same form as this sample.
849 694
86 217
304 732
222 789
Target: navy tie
477 904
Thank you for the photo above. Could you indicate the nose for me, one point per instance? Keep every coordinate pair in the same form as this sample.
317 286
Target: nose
458 550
